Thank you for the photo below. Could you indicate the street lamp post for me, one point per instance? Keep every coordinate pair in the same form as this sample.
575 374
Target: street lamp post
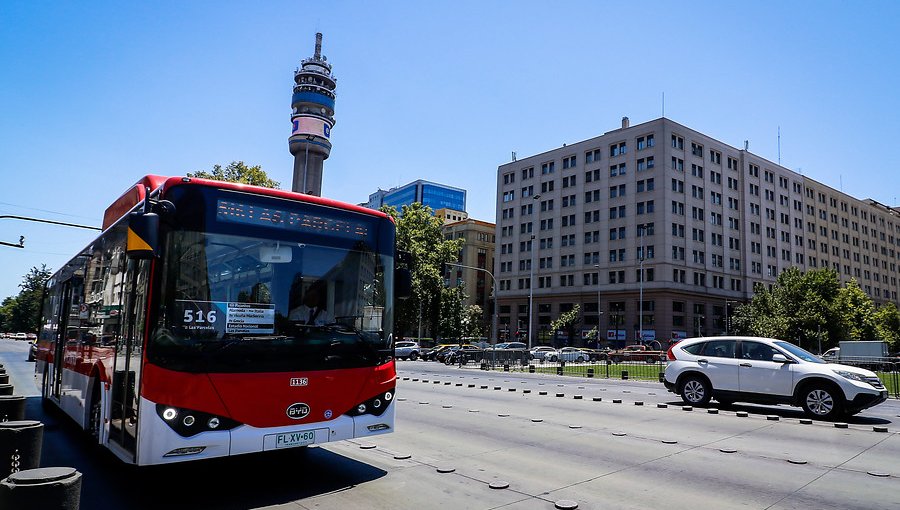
727 302
641 233
599 309
494 322
531 277
699 329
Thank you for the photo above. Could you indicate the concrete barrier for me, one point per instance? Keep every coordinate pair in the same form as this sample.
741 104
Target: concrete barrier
42 488
20 446
12 407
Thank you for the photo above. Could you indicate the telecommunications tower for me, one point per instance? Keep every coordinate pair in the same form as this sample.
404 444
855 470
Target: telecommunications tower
312 117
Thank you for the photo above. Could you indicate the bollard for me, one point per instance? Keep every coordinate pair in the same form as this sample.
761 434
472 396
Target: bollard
590 372
662 377
559 370
624 374
12 407
20 446
4 378
37 489
530 369
6 389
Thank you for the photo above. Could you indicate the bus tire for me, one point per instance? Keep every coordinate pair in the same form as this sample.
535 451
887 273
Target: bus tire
95 415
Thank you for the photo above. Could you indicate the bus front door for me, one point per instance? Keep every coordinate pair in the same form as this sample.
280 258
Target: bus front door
126 382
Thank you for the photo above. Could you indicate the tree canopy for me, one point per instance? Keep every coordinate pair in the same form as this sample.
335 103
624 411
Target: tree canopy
812 307
567 321
419 233
238 171
21 313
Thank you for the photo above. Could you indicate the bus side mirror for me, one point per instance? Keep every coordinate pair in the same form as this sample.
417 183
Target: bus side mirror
143 235
403 282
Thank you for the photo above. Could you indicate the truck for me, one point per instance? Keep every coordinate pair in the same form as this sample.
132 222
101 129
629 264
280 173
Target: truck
636 352
857 350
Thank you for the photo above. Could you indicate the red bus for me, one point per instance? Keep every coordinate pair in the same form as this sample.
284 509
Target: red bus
211 319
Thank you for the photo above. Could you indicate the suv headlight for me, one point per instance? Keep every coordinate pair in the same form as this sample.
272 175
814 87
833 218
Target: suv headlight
853 376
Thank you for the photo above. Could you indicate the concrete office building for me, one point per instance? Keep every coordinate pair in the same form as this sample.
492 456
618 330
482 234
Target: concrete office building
665 227
434 195
477 252
452 216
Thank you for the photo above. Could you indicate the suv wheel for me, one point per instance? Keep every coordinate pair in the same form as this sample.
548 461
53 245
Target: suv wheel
413 356
695 390
820 401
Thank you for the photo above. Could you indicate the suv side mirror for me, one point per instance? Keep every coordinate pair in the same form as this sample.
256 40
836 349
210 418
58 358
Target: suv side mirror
780 358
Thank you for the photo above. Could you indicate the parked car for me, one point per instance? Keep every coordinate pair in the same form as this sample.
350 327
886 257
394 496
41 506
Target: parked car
567 354
431 354
441 357
637 352
540 352
511 345
596 354
832 355
21 336
768 371
32 350
463 354
407 350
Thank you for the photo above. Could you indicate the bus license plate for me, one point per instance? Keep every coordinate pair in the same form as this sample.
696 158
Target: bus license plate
294 439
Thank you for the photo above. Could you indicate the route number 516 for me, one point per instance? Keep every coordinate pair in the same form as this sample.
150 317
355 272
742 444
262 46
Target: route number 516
199 317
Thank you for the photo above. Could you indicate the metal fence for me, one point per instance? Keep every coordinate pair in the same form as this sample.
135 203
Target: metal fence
887 369
514 360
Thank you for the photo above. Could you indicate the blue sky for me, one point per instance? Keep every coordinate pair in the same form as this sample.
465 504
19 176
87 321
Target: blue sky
96 94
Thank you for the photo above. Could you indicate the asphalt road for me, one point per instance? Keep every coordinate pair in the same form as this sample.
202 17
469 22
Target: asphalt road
470 439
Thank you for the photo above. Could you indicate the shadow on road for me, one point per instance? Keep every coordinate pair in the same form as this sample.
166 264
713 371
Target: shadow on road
786 412
241 482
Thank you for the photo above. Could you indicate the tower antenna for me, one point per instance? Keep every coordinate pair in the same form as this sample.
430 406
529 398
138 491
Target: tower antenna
312 117
779 145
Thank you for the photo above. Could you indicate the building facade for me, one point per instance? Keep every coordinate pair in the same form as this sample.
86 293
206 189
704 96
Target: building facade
477 252
663 229
434 195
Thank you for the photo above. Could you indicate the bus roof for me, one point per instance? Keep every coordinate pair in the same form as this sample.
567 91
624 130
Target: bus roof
137 193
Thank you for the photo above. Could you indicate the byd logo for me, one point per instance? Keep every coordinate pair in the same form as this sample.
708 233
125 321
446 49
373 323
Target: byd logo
298 411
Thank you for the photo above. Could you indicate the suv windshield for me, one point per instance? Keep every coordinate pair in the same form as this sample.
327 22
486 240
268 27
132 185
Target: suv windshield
250 299
799 352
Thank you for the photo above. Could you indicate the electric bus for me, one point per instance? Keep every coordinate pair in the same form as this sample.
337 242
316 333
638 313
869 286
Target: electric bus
211 319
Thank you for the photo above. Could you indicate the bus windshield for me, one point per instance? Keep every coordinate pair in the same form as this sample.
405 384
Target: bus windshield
257 303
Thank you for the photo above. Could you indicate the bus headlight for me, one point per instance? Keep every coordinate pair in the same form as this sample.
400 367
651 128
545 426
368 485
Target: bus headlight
194 422
375 405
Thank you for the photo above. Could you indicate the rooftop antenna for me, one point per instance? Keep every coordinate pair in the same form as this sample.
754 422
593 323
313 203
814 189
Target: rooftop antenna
663 104
514 155
779 145
841 181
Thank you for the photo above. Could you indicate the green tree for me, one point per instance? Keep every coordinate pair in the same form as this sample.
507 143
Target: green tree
887 320
472 324
237 171
21 313
568 322
419 233
858 317
453 314
799 308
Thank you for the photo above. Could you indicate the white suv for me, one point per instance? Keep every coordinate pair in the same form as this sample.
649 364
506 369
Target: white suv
768 371
407 350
